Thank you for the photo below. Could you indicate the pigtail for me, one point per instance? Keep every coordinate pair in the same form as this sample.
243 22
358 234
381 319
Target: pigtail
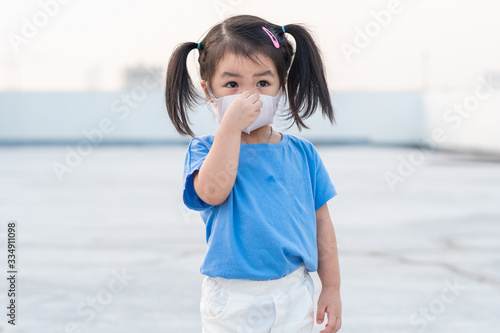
180 94
306 82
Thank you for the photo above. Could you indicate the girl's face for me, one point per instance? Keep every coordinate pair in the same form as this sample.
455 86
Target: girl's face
237 74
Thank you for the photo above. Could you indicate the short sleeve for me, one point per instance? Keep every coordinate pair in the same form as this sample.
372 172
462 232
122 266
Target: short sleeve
323 187
196 153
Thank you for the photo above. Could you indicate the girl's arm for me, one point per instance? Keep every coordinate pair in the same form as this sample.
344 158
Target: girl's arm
215 179
328 260
328 271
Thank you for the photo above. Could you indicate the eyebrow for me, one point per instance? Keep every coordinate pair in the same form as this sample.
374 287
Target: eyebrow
230 74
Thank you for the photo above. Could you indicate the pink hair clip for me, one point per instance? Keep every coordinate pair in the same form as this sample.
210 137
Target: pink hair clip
273 38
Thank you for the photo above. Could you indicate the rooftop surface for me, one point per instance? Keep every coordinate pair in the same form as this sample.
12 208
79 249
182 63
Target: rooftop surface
422 256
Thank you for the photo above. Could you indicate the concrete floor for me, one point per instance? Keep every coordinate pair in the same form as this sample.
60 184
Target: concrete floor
421 257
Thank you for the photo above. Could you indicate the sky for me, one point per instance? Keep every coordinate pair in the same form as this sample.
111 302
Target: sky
85 45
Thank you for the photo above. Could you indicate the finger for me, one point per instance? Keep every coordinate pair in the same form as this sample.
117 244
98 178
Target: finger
334 323
258 105
330 325
338 324
254 98
247 93
330 328
320 315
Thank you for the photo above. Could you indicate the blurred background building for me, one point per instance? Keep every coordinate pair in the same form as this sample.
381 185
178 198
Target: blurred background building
466 117
397 74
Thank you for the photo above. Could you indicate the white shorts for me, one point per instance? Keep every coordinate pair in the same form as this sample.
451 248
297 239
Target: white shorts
258 306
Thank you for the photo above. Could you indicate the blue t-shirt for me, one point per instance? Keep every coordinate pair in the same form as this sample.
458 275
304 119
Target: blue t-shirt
266 228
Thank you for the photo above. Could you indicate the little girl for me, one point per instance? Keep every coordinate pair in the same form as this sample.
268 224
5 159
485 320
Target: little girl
262 194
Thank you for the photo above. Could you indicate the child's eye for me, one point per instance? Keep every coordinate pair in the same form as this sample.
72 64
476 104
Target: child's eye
259 84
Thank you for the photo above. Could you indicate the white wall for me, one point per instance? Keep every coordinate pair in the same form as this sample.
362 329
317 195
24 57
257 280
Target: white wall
470 118
394 118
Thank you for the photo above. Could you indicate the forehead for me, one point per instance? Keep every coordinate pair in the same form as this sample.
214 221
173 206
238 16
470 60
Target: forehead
243 65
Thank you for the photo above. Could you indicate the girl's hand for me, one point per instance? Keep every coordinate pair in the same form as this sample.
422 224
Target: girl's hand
329 302
243 110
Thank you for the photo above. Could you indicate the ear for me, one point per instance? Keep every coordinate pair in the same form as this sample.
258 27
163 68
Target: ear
205 90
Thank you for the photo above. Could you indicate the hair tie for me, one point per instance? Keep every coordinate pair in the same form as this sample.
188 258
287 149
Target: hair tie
198 46
283 28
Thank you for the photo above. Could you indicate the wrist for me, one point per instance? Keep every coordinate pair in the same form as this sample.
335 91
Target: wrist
229 129
329 287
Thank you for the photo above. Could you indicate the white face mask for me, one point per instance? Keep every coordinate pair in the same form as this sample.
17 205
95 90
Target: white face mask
267 112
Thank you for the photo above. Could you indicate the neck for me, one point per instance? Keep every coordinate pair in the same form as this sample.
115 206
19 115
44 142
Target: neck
260 135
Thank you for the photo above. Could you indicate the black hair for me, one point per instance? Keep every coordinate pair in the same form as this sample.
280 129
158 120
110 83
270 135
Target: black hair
243 35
